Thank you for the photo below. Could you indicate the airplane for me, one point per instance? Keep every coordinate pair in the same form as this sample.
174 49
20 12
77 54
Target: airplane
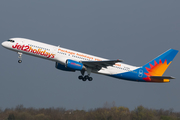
71 61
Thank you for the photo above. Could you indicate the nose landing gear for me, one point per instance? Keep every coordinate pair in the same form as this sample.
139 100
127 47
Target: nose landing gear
20 57
19 61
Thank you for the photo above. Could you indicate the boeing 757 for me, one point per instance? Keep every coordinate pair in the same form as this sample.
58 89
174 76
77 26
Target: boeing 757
71 61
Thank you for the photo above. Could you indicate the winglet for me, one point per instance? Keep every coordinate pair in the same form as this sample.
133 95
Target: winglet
118 60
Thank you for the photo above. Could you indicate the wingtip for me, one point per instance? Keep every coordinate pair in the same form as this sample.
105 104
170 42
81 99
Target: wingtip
119 60
173 77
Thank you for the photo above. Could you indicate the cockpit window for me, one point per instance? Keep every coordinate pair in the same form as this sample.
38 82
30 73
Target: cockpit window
10 40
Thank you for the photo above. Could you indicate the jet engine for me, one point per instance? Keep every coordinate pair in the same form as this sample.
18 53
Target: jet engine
62 67
70 65
74 65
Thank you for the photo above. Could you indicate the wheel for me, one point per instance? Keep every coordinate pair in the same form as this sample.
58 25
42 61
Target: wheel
90 78
84 79
80 77
19 61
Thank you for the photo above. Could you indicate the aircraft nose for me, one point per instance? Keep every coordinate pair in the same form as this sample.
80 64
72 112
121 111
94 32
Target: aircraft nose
3 44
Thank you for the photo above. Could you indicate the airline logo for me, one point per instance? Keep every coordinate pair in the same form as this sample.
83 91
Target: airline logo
157 69
78 54
75 64
27 48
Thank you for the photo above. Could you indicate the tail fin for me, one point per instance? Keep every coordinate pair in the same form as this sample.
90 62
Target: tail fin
158 66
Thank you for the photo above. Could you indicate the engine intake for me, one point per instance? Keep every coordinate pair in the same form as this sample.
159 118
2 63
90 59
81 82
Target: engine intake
62 67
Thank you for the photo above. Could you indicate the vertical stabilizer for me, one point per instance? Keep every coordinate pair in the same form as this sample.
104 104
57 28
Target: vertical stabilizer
158 66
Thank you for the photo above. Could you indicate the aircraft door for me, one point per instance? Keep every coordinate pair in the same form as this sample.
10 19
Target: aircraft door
55 50
140 73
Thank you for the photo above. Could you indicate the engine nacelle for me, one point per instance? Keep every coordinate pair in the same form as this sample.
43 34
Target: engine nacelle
74 65
62 67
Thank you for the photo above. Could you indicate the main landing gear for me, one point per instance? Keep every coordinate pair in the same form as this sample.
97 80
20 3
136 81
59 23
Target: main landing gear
20 57
86 77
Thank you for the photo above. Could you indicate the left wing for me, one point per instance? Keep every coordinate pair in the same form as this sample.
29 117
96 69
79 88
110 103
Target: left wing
99 64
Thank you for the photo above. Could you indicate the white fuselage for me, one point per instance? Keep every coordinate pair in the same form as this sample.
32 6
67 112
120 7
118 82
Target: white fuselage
59 54
69 60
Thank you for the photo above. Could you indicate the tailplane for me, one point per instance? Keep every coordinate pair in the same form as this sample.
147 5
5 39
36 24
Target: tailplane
161 78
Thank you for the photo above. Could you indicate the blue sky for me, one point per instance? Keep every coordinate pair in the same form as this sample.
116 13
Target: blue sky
135 31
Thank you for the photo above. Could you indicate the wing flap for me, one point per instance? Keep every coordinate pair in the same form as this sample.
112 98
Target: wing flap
100 64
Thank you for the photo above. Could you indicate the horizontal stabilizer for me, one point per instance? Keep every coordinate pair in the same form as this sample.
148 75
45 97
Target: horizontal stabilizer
162 77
